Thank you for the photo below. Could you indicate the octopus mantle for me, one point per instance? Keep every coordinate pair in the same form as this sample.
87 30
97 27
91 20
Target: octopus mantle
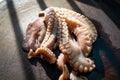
71 31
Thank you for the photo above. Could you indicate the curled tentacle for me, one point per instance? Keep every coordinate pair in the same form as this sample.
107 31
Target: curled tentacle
83 39
49 38
78 61
79 24
72 17
43 53
62 23
71 49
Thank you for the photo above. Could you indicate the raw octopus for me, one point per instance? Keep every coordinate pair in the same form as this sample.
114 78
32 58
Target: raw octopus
72 32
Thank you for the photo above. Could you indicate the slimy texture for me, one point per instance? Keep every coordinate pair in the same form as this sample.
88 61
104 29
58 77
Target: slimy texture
57 27
34 34
48 40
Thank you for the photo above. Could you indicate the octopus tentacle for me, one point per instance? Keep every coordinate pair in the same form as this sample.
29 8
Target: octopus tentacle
65 73
90 26
62 42
83 35
85 40
81 18
43 53
61 63
49 21
60 24
49 39
79 62
71 49
64 35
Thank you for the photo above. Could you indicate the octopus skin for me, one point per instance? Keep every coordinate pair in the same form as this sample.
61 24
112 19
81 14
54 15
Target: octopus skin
60 25
83 35
48 40
71 49
79 23
35 33
76 54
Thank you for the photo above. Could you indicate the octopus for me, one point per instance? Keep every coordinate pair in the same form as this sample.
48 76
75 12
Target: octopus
72 32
